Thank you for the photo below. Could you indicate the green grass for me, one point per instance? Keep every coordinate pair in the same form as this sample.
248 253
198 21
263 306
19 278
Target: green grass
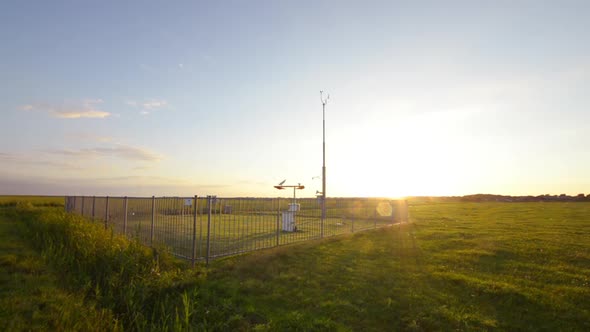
35 200
233 233
144 289
32 296
455 266
465 266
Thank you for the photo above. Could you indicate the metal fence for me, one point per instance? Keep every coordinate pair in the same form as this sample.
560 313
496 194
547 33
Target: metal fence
203 228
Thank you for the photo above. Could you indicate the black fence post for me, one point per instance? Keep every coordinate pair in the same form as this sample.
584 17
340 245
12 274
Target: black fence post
153 221
106 217
125 205
407 211
200 237
323 216
278 221
93 207
194 251
208 253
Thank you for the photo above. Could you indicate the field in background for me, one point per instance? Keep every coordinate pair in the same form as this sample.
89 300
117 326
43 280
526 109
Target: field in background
455 266
35 200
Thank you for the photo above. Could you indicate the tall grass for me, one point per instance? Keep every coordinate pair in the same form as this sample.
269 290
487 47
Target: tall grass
147 289
31 298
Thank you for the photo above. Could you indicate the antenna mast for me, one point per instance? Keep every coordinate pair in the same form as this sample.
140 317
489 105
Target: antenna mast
324 102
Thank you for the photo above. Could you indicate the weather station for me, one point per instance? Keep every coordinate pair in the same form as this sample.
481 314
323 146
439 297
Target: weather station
289 222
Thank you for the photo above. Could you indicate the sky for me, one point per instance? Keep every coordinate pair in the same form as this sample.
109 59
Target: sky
182 98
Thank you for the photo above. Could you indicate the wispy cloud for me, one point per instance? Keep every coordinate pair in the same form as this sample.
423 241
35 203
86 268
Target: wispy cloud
152 104
147 106
116 150
16 184
87 108
89 137
31 160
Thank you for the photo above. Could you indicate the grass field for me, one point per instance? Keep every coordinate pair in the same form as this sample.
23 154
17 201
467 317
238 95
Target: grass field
35 200
31 294
466 266
455 266
235 233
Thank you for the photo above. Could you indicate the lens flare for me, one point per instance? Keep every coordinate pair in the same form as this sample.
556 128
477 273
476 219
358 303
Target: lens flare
384 209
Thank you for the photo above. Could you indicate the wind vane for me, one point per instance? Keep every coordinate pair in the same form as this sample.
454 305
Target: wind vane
282 186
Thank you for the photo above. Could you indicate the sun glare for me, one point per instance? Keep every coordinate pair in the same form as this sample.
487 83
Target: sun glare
413 158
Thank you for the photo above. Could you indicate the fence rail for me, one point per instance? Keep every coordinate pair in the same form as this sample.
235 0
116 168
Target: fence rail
204 228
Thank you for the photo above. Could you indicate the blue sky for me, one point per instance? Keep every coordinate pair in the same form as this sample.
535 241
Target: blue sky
184 98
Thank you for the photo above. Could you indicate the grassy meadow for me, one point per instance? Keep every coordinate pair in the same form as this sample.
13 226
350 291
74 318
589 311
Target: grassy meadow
31 295
465 266
455 266
35 200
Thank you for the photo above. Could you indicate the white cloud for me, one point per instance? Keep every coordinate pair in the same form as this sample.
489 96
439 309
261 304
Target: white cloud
154 104
71 109
115 150
82 114
34 160
147 106
18 184
88 137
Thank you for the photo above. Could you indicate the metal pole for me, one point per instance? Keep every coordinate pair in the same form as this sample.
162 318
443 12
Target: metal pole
125 203
394 208
106 217
407 212
323 218
324 150
194 251
323 168
209 200
278 221
93 207
201 238
83 205
153 220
